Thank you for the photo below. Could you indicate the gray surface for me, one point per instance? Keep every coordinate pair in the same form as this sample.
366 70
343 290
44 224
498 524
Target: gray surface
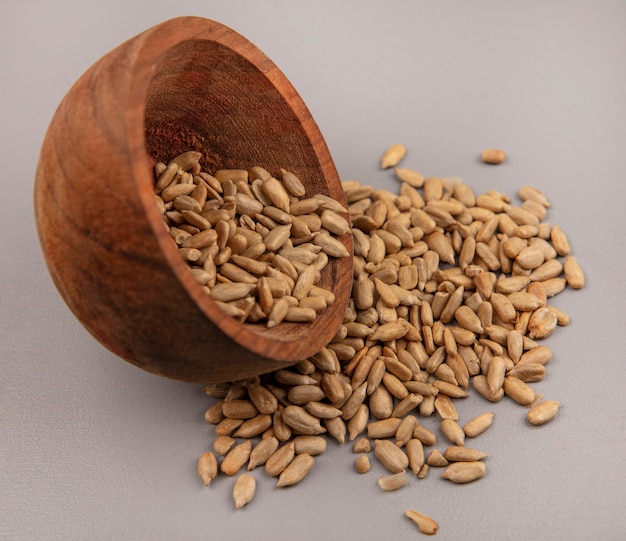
93 448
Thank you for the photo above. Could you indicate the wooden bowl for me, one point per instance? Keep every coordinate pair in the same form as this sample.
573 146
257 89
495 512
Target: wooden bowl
186 84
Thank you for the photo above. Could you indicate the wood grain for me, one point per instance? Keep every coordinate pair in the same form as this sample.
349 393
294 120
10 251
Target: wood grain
186 84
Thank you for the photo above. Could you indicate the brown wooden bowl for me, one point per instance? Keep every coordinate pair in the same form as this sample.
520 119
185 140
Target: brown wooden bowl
186 84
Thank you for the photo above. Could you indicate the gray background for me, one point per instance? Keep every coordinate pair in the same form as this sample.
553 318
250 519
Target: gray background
93 448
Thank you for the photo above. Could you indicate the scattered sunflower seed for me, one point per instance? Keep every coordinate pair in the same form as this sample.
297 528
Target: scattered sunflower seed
543 412
450 296
393 482
493 156
297 470
425 524
464 472
207 467
362 464
392 156
478 424
243 490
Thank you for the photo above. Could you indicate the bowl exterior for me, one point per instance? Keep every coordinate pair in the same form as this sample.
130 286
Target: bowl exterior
100 230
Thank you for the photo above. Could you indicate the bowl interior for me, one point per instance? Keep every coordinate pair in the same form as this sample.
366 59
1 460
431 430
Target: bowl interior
239 111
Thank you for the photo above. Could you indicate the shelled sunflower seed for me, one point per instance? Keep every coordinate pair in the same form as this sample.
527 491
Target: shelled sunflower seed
451 295
255 244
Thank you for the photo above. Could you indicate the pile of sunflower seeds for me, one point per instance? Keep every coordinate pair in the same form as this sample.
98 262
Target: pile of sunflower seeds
255 243
451 295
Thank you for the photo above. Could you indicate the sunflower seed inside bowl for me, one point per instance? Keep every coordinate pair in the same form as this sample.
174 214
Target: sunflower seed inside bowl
235 230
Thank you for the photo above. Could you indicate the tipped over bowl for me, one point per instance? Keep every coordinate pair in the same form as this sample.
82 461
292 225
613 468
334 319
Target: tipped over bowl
186 84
